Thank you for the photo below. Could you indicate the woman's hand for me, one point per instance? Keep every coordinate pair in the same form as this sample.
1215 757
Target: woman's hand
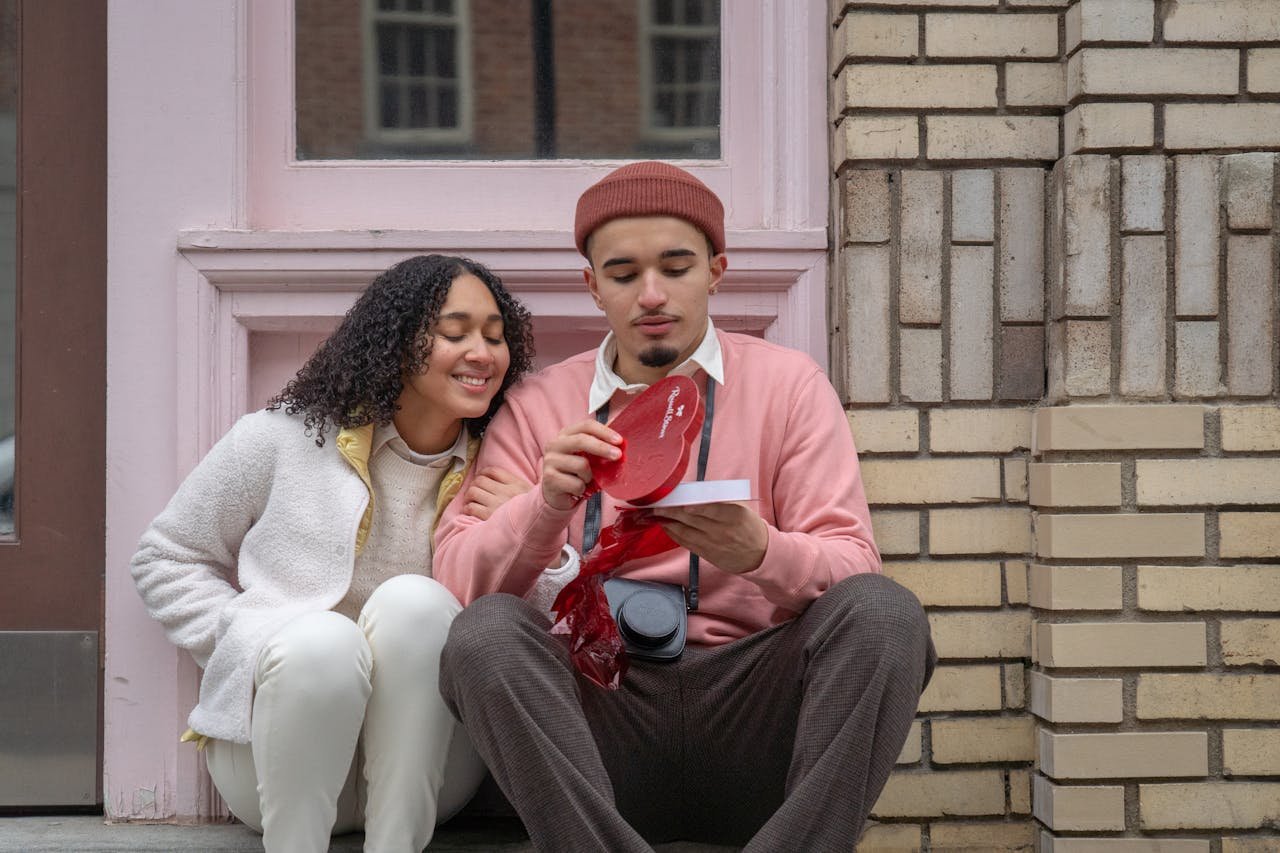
492 488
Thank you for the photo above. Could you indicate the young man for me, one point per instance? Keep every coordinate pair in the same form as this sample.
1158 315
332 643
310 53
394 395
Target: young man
778 726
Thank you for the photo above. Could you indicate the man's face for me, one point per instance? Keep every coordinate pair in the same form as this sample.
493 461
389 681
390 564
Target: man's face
651 276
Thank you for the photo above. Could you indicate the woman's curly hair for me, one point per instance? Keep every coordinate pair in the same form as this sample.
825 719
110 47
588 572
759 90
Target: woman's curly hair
357 374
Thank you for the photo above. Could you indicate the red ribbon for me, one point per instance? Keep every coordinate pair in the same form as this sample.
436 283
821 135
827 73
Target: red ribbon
581 608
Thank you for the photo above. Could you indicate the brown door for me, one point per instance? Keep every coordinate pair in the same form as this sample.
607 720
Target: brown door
52 399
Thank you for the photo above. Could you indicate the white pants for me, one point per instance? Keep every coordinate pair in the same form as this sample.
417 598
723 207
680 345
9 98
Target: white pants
349 730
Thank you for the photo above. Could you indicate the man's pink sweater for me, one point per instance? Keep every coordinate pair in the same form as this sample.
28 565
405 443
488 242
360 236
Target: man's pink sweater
777 423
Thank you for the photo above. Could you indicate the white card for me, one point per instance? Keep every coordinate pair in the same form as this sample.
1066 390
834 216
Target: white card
704 492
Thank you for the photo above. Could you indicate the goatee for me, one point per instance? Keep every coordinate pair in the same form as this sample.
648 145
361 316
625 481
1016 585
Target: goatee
659 356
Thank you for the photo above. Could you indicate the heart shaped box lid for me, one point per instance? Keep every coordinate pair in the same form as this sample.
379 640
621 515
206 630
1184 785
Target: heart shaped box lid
657 428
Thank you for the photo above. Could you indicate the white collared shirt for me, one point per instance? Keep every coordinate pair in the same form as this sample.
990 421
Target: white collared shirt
607 382
388 436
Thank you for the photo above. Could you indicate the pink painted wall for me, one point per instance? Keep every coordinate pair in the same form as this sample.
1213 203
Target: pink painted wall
228 262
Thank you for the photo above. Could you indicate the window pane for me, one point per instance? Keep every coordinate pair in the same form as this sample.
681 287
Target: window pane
459 79
8 255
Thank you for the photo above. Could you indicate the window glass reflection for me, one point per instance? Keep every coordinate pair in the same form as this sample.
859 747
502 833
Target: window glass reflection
8 255
507 79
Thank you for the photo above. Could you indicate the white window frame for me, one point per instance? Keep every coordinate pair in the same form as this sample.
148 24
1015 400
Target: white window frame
648 83
374 131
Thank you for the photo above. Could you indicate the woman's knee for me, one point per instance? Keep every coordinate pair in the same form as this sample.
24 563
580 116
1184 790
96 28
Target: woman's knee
410 607
322 647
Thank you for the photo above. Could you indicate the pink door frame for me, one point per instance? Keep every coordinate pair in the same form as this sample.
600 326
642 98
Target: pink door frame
216 235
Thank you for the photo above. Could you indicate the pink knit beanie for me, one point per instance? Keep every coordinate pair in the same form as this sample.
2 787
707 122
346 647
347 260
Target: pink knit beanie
650 188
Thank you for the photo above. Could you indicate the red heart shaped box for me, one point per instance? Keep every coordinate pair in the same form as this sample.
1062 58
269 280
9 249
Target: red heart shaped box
658 428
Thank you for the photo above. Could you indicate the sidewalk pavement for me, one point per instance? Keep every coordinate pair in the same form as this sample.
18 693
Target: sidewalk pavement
92 834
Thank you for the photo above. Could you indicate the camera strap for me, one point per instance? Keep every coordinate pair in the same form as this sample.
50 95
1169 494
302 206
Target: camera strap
591 522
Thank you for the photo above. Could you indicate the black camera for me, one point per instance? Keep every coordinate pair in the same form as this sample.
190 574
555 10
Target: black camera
652 617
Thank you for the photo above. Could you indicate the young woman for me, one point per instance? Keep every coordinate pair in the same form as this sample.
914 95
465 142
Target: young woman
294 563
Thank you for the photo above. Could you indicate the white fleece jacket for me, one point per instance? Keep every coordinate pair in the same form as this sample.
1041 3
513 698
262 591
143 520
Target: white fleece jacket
271 513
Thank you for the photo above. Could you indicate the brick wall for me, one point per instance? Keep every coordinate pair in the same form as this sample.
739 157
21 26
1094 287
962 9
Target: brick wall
1055 323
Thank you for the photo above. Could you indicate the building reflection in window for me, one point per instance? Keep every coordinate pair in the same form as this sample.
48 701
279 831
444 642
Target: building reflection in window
507 79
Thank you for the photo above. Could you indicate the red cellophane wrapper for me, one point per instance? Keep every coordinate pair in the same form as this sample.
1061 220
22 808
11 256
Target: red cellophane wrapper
581 608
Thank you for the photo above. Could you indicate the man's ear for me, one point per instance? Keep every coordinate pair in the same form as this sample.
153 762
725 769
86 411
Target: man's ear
593 287
719 263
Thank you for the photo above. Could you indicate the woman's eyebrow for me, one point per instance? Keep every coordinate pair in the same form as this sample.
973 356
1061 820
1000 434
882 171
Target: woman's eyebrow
466 315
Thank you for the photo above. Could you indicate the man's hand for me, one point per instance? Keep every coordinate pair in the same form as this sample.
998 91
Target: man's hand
492 488
731 535
565 473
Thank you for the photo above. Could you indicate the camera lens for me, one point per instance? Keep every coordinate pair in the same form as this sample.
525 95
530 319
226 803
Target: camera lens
648 618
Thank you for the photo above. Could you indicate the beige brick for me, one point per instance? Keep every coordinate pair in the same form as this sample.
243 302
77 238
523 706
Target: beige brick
998 634
1123 755
881 137
973 208
1025 36
885 430
963 688
931 481
1078 807
1175 588
1076 587
1021 259
1171 482
1196 249
1019 836
1086 237
1251 427
1249 179
1055 484
1250 324
1109 21
896 531
891 838
980 137
1252 844
866 309
981 530
1094 537
972 337
920 242
920 365
1204 695
950 583
1119 428
1015 581
1144 299
1015 480
1197 127
1249 534
1050 844
1086 357
912 793
979 430
1197 370
1109 127
1209 805
1015 686
1020 792
1152 71
867 205
873 35
1264 70
1251 752
1035 84
1077 700
913 746
1222 20
1120 644
1143 185
1250 641
975 740
919 86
